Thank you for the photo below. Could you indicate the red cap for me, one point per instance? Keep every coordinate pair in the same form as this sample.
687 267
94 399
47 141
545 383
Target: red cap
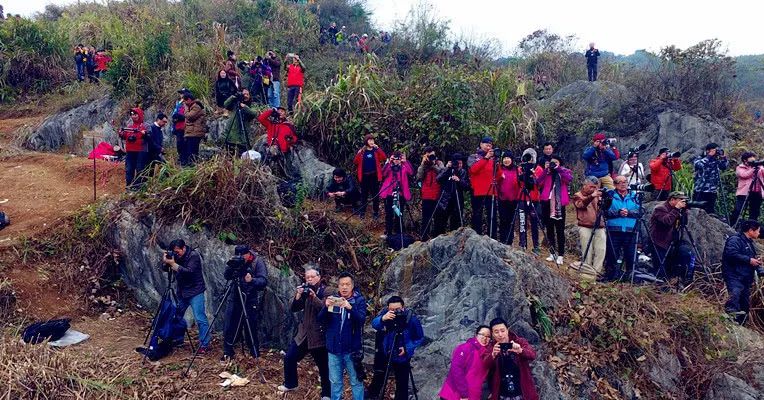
600 136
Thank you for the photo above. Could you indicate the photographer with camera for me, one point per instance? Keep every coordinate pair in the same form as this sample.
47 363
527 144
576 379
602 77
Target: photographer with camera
368 161
395 189
427 174
281 133
598 157
750 179
454 180
274 90
344 316
186 263
661 171
248 269
510 187
343 190
237 133
587 202
633 170
470 364
482 168
621 224
136 137
529 201
402 335
553 183
511 372
707 176
739 265
311 336
675 256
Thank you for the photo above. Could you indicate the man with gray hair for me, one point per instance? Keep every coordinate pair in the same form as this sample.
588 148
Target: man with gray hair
311 337
591 228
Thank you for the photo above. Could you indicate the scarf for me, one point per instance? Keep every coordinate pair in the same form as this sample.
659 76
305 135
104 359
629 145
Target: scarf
555 197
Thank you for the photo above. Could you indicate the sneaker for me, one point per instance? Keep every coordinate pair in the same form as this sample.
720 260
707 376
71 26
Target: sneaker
325 398
550 258
285 389
560 260
383 236
226 359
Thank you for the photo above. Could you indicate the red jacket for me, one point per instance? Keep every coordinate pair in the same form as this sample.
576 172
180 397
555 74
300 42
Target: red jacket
136 130
430 185
295 75
480 176
101 60
380 157
283 133
660 176
527 385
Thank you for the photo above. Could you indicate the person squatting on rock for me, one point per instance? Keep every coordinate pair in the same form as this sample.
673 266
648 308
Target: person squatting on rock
553 183
707 176
343 190
597 157
136 137
186 263
621 226
251 275
344 316
395 191
661 169
311 333
675 256
739 264
482 168
750 179
470 363
454 180
368 161
593 249
511 355
401 334
427 174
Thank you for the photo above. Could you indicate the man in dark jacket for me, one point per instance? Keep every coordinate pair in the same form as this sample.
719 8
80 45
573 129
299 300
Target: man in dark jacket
454 180
187 265
665 223
344 316
311 335
592 56
402 335
511 372
739 264
707 178
251 277
156 138
343 190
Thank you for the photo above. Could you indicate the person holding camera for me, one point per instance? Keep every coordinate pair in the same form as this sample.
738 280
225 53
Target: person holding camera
664 223
621 224
708 178
482 168
368 161
136 137
509 192
274 89
402 335
395 189
281 133
344 316
587 204
547 150
343 190
470 363
553 183
295 76
196 126
427 174
633 170
529 200
739 264
661 169
598 156
511 372
454 180
311 337
187 265
750 178
237 133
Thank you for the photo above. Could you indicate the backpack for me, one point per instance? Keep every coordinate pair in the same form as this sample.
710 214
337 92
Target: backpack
4 220
39 332
398 241
169 331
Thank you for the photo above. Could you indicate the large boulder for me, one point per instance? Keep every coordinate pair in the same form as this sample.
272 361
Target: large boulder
455 282
727 387
138 240
600 99
315 174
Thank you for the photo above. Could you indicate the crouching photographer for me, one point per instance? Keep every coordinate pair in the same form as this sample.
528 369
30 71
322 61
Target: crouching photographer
673 256
511 355
343 190
401 334
249 276
740 264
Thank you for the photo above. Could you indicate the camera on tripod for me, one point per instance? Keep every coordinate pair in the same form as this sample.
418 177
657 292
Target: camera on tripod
399 322
642 187
171 254
695 204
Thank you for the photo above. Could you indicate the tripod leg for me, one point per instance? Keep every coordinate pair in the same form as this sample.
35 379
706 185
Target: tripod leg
209 332
387 370
413 383
251 334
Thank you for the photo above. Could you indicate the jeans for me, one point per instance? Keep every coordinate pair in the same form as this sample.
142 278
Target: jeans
428 218
369 187
293 94
591 69
485 204
621 247
192 149
295 354
555 228
754 207
80 72
197 307
236 324
274 94
709 198
394 222
593 259
338 363
135 164
507 217
739 296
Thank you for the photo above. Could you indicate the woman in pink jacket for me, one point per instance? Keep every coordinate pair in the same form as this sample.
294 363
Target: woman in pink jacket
395 176
553 182
749 188
470 363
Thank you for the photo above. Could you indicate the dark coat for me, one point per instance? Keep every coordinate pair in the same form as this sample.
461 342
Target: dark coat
451 188
190 275
663 223
224 88
310 328
527 385
344 329
259 273
411 337
348 186
156 137
736 259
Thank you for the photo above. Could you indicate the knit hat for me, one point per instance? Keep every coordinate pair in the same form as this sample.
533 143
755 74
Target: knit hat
487 139
599 136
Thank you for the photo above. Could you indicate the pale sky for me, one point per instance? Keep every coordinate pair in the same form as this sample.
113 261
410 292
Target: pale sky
617 26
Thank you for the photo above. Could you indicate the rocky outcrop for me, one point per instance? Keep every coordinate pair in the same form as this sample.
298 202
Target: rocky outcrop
600 99
315 174
728 387
457 281
137 238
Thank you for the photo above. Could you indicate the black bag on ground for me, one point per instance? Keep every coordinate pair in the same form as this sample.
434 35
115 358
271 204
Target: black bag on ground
398 241
287 191
4 220
39 332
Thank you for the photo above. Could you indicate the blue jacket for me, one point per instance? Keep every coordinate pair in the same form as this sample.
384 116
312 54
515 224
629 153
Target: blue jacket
597 161
411 338
617 223
707 177
344 329
736 259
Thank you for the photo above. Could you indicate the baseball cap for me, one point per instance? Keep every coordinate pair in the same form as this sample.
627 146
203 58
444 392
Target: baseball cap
600 136
487 139
678 195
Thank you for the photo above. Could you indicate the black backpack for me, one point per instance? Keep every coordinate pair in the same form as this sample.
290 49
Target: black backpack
51 330
398 241
4 220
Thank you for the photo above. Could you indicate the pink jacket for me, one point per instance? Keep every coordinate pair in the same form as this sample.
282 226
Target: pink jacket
509 186
389 178
545 183
470 363
745 177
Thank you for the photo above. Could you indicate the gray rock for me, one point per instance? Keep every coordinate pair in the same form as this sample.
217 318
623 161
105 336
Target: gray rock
665 371
457 281
600 99
728 387
315 174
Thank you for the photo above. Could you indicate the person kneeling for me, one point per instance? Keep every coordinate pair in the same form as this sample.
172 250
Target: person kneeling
343 190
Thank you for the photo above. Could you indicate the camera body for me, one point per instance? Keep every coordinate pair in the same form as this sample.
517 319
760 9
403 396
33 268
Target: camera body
399 322
756 163
335 304
675 154
553 165
395 168
237 264
695 204
171 254
505 347
610 142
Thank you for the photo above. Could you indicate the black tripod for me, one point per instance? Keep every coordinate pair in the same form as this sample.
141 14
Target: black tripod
722 196
169 295
638 226
756 179
681 233
233 287
454 192
519 215
493 190
242 129
600 219
398 334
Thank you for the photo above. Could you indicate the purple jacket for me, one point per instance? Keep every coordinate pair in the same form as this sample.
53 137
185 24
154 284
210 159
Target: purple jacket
545 183
470 363
389 179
